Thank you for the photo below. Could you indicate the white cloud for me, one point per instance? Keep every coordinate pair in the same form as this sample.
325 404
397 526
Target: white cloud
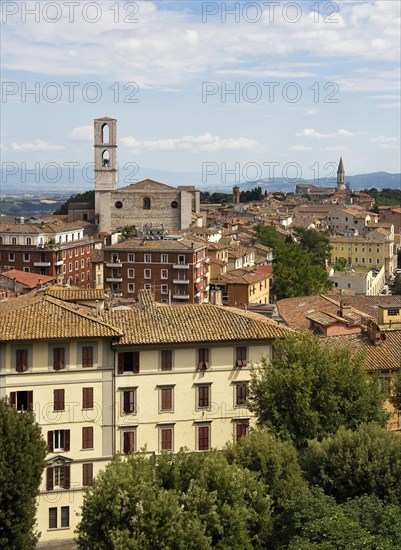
310 132
81 133
312 112
36 145
300 148
335 149
205 142
384 139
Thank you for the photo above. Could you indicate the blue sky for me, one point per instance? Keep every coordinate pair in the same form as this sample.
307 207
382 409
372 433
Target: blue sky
309 82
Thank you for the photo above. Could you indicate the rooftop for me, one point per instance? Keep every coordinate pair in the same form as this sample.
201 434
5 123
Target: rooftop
30 280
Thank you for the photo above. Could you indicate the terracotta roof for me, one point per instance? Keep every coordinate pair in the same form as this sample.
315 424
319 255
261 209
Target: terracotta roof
30 280
42 317
75 294
171 245
217 261
159 323
55 226
248 276
370 304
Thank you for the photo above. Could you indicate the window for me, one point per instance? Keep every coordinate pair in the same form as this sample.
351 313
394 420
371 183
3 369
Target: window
203 396
164 274
147 273
58 358
146 203
82 264
87 398
14 240
52 518
241 429
82 276
58 400
166 438
131 258
11 257
131 287
378 260
147 286
131 273
164 258
164 289
58 476
128 362
167 359
241 396
384 384
240 356
65 516
393 312
22 400
203 443
87 438
148 258
87 474
129 401
58 440
76 265
26 257
181 260
70 266
203 358
129 441
87 356
21 364
28 269
76 279
166 399
28 241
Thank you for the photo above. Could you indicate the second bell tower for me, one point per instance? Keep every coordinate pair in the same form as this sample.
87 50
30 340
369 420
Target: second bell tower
106 173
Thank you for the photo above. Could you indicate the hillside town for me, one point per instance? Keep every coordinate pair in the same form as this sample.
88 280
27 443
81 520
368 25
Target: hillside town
133 323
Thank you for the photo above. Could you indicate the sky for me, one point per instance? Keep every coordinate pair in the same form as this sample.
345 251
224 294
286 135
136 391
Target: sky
229 91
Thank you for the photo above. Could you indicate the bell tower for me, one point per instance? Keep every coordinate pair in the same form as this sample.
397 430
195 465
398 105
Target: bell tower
106 172
341 176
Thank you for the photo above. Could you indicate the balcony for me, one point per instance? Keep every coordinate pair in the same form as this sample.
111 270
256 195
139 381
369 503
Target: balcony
181 266
197 280
59 262
180 296
207 260
42 264
181 281
117 263
114 279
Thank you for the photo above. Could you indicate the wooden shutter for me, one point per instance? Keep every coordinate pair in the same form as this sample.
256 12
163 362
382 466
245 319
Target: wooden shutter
135 359
240 431
87 356
167 359
87 474
167 439
87 398
58 398
58 358
66 440
203 436
241 394
13 398
167 399
129 401
21 360
203 396
87 438
50 441
67 476
49 477
129 442
120 368
29 400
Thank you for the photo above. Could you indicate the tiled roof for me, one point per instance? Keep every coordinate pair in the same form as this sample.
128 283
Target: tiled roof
370 304
54 226
169 245
30 280
42 317
71 294
248 276
187 323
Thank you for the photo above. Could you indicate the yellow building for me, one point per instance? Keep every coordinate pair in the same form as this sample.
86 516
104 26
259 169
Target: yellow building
101 382
364 252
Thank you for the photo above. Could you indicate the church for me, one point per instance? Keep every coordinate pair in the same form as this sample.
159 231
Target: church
138 204
317 191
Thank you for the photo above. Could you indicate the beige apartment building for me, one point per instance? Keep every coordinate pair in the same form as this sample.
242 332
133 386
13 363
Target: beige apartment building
364 252
106 381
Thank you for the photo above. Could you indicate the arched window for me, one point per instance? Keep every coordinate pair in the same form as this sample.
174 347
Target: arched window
146 203
13 240
28 240
105 159
105 133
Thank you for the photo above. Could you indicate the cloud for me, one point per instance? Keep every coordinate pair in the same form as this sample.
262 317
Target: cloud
36 145
310 132
335 149
81 133
312 112
193 144
386 143
299 148
383 139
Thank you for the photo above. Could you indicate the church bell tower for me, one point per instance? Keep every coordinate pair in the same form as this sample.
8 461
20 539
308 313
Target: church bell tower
341 176
106 171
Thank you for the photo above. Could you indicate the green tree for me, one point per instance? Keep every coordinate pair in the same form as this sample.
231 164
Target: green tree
395 397
309 389
87 196
296 273
268 236
22 454
340 264
395 284
353 463
316 242
275 461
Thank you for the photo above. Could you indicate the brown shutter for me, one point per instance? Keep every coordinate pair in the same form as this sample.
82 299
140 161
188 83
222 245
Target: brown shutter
167 359
87 474
13 398
127 402
67 476
87 398
49 478
167 399
66 440
58 358
167 439
126 446
120 368
21 360
203 435
59 401
135 362
29 400
87 356
87 438
50 438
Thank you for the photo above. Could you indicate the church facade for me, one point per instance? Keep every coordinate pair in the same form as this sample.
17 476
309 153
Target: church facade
138 204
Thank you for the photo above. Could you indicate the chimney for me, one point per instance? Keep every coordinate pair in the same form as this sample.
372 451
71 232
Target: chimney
40 282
